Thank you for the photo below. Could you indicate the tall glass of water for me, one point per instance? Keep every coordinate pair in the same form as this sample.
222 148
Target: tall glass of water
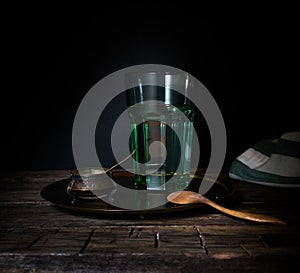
161 120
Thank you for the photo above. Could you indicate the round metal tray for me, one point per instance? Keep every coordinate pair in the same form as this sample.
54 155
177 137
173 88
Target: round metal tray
59 194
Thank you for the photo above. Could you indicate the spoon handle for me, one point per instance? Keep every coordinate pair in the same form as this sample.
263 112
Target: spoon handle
246 215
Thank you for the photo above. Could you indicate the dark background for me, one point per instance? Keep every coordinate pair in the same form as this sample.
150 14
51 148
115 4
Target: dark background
52 56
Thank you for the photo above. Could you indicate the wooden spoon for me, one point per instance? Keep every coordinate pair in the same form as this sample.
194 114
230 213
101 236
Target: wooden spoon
189 197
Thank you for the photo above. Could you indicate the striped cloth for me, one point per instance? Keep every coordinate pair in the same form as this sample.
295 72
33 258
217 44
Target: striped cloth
270 162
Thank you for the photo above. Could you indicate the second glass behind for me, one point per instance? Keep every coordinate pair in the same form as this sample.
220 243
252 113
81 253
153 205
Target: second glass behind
161 121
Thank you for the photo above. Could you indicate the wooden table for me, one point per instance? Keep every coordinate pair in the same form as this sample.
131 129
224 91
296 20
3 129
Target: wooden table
36 236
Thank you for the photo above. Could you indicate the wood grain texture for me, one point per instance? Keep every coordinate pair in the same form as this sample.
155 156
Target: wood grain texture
36 236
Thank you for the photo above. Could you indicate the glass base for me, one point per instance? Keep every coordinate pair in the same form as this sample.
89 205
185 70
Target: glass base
162 182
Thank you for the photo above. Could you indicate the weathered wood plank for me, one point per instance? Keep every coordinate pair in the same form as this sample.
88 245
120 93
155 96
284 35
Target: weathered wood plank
41 215
104 262
142 240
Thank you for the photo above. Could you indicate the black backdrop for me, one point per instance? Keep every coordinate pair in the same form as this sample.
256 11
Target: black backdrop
53 56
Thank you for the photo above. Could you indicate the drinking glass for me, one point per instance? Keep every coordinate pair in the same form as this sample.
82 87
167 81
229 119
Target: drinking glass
161 121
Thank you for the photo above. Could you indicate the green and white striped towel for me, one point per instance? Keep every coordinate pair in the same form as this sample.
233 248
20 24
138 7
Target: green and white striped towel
270 162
